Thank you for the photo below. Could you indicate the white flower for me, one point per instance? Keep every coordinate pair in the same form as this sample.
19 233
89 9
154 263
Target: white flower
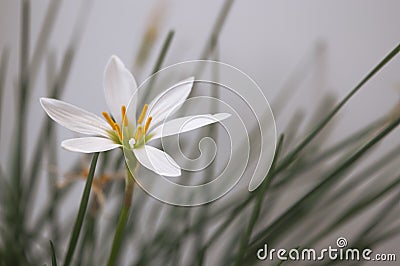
118 129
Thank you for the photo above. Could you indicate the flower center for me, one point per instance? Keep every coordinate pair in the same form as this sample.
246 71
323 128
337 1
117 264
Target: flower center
140 132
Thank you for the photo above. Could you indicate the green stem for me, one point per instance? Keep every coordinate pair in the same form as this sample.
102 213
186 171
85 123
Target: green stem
285 220
81 213
160 60
19 154
53 254
122 220
257 208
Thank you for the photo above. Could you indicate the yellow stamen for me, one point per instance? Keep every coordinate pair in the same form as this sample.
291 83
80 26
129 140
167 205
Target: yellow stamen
109 119
143 113
124 117
138 133
118 129
146 127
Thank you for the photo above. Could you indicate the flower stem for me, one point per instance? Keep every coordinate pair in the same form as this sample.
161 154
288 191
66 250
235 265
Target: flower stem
81 213
122 220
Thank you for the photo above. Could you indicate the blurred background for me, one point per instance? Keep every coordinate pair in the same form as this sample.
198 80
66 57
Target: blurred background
297 52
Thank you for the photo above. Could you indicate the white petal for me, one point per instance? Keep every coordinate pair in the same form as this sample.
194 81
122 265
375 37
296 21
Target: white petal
75 118
187 123
168 102
89 144
157 161
119 86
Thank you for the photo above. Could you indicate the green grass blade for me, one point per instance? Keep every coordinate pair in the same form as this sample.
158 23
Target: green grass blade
285 220
293 129
47 126
53 254
87 246
367 172
18 156
384 236
59 85
160 60
379 218
3 71
208 174
294 80
52 156
291 156
81 213
163 53
23 86
234 213
43 38
343 145
257 208
356 208
213 38
24 52
122 220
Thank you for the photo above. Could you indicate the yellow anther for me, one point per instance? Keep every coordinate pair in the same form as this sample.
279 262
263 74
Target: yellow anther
143 113
138 133
118 129
109 119
146 127
124 117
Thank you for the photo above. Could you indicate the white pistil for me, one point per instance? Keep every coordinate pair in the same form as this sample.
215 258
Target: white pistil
132 142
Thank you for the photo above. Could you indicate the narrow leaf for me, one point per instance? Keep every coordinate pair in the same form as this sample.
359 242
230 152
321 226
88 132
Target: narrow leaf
291 156
257 208
53 254
159 62
81 213
312 196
